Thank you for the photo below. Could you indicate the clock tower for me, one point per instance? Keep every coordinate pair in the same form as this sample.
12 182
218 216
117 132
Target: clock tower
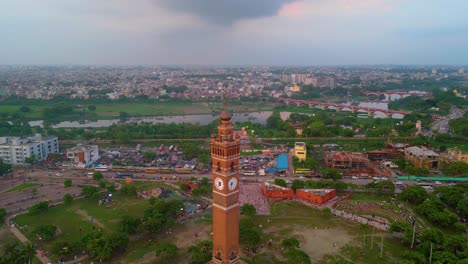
225 153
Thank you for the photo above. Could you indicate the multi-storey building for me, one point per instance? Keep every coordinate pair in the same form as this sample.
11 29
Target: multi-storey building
15 150
83 153
421 157
300 151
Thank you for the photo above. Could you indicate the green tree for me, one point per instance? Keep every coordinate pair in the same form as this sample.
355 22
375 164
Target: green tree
331 173
4 167
17 253
201 253
25 109
280 182
129 189
31 159
67 199
67 183
161 215
248 210
45 232
3 213
97 176
92 108
38 208
129 224
250 234
290 243
149 155
297 184
184 187
166 252
89 191
414 194
297 256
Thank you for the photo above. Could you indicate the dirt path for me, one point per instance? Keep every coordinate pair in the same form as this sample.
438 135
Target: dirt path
85 215
25 240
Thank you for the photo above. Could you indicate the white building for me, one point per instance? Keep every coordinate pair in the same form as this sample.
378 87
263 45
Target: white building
83 154
15 150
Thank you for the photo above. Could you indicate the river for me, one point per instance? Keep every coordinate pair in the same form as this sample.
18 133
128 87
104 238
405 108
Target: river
255 117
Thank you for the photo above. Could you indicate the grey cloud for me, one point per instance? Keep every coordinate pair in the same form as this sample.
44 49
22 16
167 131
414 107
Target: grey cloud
225 12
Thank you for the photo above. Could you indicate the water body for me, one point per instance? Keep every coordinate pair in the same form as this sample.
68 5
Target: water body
255 117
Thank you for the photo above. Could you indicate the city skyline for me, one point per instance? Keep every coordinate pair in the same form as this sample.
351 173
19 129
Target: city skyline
159 32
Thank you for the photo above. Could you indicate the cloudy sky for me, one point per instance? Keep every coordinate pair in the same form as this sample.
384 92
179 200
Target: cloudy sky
259 32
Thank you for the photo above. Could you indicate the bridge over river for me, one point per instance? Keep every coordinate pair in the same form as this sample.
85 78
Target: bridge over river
342 107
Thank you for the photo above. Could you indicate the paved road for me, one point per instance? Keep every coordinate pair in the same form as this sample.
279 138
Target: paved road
442 125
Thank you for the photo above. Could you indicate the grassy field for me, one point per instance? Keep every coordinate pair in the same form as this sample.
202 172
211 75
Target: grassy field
22 186
112 110
69 219
323 236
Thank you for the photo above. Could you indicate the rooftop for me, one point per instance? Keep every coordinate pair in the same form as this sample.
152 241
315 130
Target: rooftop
421 151
320 192
271 186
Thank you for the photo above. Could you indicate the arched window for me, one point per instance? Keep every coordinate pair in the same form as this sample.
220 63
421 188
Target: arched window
218 166
232 166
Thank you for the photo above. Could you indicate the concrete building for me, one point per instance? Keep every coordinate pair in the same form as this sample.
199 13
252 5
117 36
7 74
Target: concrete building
316 196
15 150
458 155
421 157
327 81
345 160
300 151
83 154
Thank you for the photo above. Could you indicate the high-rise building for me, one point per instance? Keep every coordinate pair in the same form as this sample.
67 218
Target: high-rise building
15 150
225 154
327 81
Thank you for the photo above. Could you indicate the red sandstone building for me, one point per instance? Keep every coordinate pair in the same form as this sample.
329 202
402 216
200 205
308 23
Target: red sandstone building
273 191
316 196
225 153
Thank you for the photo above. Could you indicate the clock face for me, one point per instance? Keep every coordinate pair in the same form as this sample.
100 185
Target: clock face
232 184
219 184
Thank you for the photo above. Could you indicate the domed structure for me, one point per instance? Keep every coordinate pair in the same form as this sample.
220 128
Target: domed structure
225 116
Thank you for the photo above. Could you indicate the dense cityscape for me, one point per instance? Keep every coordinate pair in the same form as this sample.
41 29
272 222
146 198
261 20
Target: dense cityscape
234 132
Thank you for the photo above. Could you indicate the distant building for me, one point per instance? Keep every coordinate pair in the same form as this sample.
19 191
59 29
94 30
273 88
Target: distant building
458 155
300 151
83 154
327 82
316 196
345 160
15 150
421 157
295 89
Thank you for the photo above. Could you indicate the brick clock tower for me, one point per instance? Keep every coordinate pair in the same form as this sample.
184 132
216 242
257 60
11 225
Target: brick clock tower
225 153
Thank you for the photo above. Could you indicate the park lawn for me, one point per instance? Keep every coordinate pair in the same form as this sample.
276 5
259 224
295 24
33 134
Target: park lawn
6 236
64 217
22 186
69 218
109 217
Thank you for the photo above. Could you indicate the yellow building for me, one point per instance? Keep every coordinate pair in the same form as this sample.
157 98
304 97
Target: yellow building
300 151
458 155
296 88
